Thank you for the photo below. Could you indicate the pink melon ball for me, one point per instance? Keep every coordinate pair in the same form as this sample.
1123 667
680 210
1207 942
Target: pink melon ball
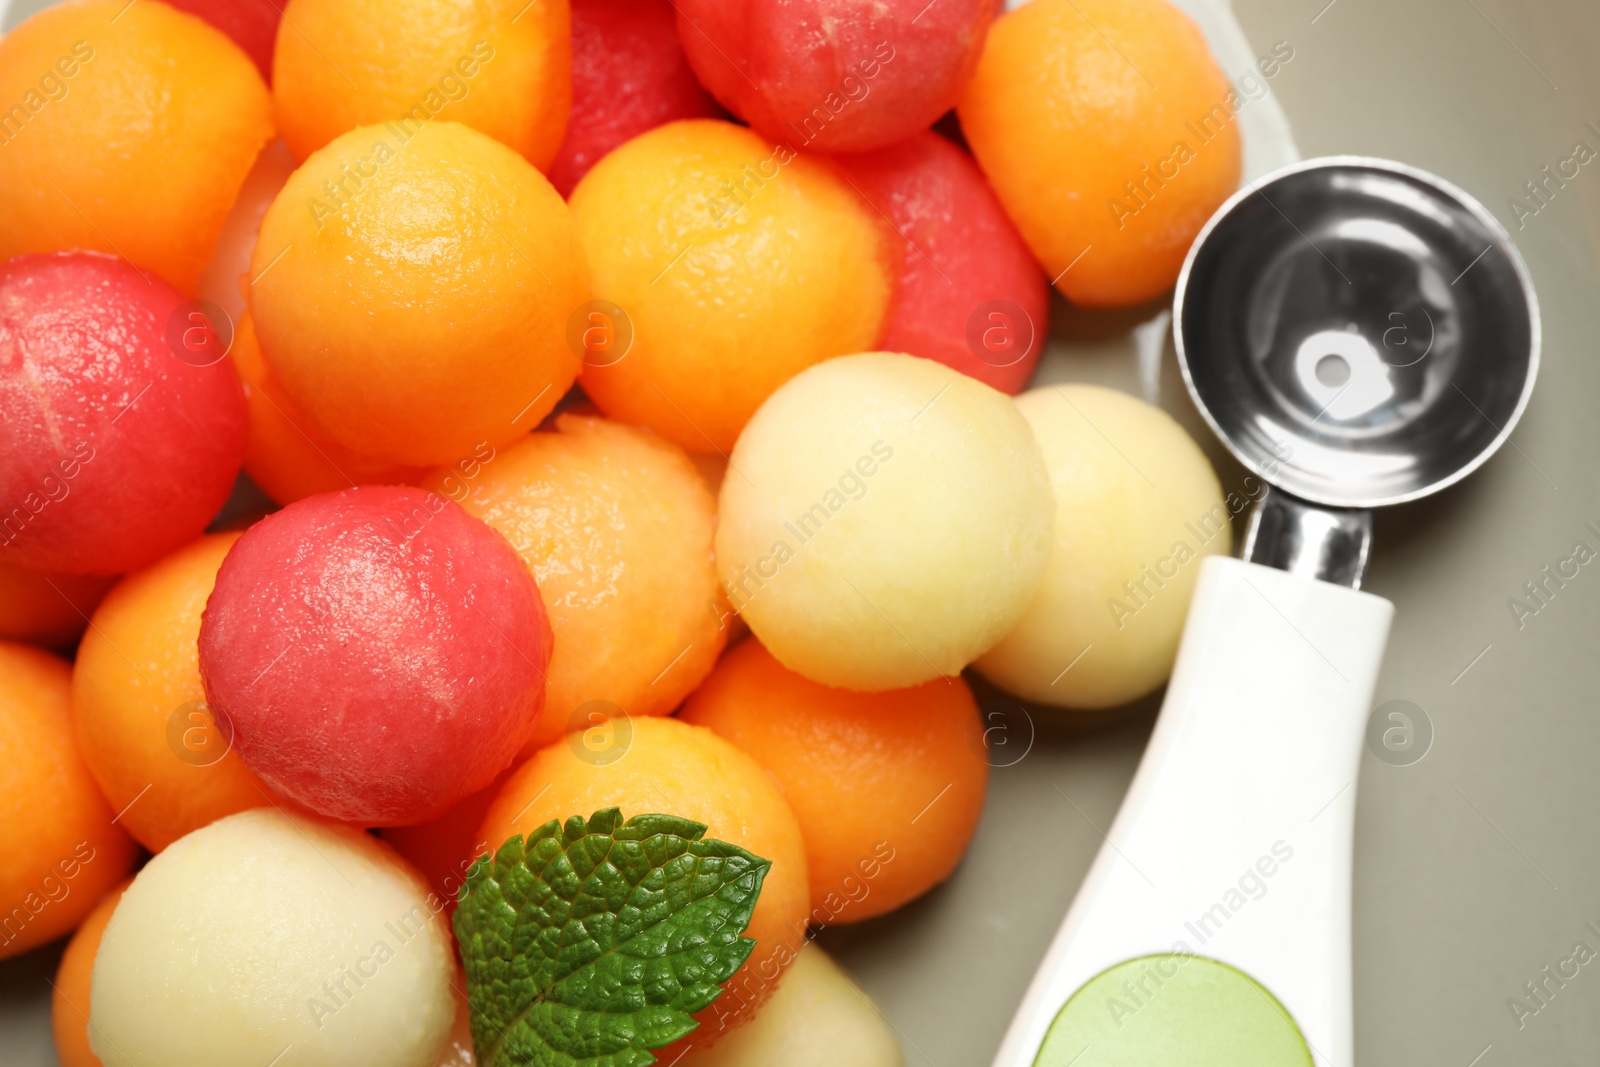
629 75
969 293
122 424
380 652
835 75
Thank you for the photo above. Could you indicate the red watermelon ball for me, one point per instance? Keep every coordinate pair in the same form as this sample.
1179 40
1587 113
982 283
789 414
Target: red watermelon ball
629 75
835 75
968 292
380 653
122 422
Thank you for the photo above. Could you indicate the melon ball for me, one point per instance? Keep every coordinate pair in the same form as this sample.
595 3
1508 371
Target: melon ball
411 289
737 262
629 75
273 939
380 652
835 75
1110 135
888 787
616 527
127 128
884 521
60 846
1137 508
969 293
138 715
667 766
118 442
502 67
817 1017
285 453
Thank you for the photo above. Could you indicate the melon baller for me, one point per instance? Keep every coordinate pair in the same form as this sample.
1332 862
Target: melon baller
1357 333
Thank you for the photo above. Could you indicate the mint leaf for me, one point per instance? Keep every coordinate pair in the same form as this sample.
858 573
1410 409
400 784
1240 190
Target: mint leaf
591 943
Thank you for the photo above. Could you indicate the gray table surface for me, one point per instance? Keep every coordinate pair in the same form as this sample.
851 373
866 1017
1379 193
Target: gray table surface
1475 867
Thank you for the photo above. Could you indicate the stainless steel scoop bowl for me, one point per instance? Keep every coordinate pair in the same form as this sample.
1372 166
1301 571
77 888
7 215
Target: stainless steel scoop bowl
1359 333
1362 332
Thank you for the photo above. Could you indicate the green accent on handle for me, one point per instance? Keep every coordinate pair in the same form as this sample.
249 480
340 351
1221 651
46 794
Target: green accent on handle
1173 1011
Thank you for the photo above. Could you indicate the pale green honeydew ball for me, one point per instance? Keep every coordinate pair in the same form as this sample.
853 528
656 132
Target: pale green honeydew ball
883 521
266 938
817 1017
1137 508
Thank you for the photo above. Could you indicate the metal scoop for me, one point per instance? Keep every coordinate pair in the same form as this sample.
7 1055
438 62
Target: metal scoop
1360 333
1357 333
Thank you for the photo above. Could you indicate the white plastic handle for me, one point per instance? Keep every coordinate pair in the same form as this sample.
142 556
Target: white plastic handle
1234 839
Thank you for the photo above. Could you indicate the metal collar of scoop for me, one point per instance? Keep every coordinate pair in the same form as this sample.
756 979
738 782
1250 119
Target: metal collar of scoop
1357 331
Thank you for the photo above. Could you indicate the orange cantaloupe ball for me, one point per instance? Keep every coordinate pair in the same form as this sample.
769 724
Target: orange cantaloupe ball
69 999
738 264
129 129
888 786
503 67
411 292
669 767
616 526
1110 135
287 454
62 849
138 707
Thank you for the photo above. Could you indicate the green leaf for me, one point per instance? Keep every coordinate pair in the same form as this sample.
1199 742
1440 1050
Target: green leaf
591 943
